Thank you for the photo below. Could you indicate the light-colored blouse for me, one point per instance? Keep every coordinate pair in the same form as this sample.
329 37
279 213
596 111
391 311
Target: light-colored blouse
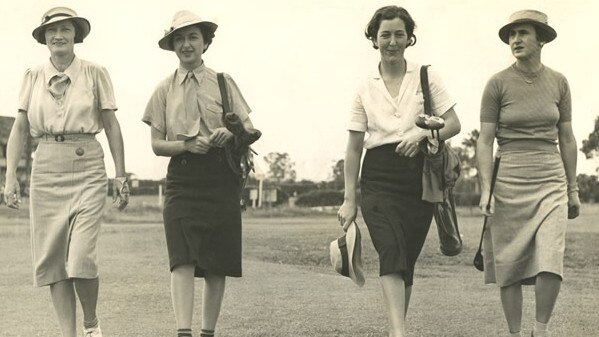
524 110
166 109
385 118
79 111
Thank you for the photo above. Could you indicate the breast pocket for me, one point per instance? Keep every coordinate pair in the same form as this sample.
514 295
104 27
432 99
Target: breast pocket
213 116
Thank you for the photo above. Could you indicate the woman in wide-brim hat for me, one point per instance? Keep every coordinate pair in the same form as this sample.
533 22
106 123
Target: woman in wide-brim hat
385 106
527 109
65 103
202 217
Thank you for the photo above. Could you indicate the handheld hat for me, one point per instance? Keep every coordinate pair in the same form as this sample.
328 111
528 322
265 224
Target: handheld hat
57 14
539 19
183 19
346 255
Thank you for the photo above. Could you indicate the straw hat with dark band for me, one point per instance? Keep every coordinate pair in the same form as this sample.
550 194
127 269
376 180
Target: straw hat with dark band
57 14
346 255
184 19
538 19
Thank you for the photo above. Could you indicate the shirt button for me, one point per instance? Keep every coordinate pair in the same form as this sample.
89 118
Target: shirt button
79 151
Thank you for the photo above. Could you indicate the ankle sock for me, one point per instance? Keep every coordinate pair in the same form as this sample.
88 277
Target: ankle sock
184 333
207 333
90 324
540 327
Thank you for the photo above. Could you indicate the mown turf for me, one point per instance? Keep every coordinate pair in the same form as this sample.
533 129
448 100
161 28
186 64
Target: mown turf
289 289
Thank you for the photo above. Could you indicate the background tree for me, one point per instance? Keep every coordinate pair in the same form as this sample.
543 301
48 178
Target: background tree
280 167
338 175
590 146
467 155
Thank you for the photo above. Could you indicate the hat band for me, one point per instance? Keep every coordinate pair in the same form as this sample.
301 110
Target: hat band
50 17
344 256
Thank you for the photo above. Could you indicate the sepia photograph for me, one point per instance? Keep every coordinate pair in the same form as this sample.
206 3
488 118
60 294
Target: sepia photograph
326 168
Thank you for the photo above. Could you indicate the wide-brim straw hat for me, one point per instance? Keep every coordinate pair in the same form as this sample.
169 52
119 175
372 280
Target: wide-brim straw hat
346 255
539 19
183 19
57 14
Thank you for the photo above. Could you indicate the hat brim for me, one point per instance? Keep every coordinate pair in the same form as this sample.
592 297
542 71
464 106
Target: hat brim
81 25
548 33
354 247
165 42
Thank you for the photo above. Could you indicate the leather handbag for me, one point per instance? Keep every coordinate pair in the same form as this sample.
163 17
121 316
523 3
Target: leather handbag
439 174
238 152
479 262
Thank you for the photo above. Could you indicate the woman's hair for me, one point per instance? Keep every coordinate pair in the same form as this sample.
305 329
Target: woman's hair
207 36
390 13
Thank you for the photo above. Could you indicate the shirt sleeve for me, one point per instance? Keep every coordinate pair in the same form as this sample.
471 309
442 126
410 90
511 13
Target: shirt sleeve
25 94
441 100
155 114
238 103
565 103
104 90
358 120
491 102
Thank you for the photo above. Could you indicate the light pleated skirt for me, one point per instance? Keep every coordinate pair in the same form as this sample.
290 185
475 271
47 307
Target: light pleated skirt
526 235
68 193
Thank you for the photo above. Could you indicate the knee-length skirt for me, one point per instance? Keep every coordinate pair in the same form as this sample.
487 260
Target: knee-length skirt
202 215
526 234
391 202
67 194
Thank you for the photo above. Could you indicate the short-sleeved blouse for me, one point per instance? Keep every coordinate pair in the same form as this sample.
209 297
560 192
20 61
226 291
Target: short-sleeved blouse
526 110
385 118
165 110
89 92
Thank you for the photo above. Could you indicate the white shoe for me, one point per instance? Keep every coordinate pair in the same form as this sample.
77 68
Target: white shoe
93 332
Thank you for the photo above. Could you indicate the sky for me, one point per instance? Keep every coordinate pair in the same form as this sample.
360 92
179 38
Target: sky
298 63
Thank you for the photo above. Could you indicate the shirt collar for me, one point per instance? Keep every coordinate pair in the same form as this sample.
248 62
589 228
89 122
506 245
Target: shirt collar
197 72
72 70
376 74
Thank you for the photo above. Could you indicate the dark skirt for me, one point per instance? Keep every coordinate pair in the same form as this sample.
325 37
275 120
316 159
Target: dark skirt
396 216
202 217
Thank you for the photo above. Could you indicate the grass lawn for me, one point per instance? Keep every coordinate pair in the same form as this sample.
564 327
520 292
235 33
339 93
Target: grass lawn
289 288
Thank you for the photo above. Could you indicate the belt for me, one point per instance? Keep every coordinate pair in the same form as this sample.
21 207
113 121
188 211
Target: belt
67 137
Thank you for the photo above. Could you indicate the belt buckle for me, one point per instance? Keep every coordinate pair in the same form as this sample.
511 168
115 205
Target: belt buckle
59 138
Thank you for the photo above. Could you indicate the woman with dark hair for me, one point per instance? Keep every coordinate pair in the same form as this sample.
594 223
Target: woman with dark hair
65 103
385 107
202 216
527 109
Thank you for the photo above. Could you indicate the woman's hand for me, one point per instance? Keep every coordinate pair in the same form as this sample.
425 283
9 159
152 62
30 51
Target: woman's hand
486 208
198 145
12 193
573 205
347 214
120 194
220 137
408 142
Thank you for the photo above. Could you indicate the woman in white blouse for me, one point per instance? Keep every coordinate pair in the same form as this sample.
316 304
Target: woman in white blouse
65 103
385 107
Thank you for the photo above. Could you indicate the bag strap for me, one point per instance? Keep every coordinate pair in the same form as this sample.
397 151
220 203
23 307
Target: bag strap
222 85
493 180
426 92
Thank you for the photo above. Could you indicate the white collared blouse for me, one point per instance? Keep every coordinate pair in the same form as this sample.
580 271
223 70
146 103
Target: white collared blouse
385 118
165 110
89 92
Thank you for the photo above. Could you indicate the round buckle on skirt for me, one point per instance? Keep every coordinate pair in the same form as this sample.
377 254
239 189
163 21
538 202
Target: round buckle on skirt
79 151
59 138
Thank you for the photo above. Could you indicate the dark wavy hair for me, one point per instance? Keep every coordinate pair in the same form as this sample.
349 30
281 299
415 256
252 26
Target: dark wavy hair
390 13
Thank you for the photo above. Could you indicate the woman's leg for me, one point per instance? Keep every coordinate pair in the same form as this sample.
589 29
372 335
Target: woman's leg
511 300
547 289
394 291
214 289
63 298
182 293
408 295
87 290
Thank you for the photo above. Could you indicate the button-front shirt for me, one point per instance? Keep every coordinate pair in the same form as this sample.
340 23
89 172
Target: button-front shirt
168 108
385 118
89 91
